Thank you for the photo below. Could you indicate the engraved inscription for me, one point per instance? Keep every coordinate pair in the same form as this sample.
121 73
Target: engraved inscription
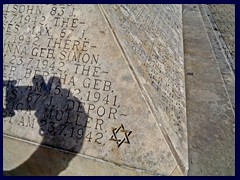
52 41
156 48
100 80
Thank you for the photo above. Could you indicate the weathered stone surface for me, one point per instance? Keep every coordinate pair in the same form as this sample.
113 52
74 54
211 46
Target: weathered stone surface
211 119
102 82
155 54
80 164
224 17
220 50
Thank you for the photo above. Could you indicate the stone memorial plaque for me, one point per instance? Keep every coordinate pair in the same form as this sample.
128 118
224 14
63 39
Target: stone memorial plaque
101 81
151 38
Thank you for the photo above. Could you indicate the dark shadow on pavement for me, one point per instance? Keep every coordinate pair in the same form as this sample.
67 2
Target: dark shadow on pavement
61 118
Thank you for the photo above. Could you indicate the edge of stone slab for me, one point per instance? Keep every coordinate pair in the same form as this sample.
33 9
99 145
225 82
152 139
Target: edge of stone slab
225 67
197 153
177 172
229 60
146 96
115 168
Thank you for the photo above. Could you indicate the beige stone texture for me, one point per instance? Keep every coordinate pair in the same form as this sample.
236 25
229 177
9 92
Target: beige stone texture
100 82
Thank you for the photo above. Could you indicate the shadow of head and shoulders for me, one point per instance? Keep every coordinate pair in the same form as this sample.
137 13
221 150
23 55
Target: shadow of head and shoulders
62 122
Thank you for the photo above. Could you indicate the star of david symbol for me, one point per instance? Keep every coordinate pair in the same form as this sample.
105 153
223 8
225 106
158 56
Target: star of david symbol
125 138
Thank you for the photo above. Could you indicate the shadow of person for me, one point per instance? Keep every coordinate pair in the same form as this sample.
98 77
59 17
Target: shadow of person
62 121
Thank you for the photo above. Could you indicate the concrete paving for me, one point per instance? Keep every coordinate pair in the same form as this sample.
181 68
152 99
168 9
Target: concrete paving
224 17
221 52
210 114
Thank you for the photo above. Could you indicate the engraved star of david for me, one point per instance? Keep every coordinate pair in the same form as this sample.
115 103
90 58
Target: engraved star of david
120 141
